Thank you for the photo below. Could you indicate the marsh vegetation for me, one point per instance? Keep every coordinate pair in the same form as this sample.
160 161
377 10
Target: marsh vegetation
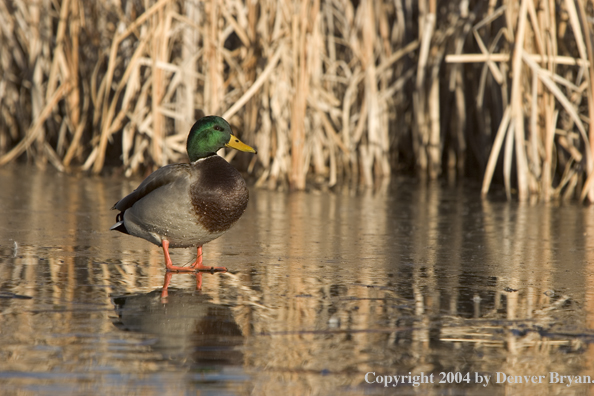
330 91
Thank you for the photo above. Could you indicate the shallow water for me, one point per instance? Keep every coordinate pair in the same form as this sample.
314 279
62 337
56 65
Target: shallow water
322 290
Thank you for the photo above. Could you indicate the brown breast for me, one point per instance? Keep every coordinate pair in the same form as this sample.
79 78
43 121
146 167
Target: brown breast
219 194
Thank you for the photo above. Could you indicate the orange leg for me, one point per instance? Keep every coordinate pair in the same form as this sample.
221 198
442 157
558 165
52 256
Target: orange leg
168 264
197 265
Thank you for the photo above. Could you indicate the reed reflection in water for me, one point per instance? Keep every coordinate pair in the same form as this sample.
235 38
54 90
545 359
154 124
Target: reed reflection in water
323 288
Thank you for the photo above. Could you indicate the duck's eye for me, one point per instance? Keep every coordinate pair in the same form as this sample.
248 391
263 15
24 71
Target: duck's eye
218 128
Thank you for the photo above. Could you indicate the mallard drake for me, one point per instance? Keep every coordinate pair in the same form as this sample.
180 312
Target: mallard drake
188 205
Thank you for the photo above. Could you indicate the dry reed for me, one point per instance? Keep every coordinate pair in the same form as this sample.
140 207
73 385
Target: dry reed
329 91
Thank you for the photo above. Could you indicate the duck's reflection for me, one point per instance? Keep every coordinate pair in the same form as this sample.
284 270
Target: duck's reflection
197 273
187 326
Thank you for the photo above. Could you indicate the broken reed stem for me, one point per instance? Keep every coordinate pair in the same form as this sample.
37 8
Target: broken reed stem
323 88
35 129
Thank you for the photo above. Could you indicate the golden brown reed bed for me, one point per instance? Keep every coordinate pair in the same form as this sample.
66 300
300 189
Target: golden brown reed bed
329 91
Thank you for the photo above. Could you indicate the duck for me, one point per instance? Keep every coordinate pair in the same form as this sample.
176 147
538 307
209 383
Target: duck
186 205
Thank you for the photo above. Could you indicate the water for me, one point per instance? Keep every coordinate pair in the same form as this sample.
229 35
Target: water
322 290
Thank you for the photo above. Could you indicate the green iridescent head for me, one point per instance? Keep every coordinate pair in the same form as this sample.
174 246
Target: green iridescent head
208 135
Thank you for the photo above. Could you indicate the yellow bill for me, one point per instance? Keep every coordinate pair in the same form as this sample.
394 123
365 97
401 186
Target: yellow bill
237 144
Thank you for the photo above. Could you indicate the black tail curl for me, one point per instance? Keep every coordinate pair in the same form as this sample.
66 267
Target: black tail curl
119 225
